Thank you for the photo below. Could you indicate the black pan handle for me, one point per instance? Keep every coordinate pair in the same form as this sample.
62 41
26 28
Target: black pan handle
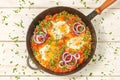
100 9
29 65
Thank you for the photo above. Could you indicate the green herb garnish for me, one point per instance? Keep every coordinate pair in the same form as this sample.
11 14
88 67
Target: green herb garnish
17 77
39 26
110 33
15 39
80 29
35 53
16 52
90 74
31 3
32 40
14 70
86 52
56 42
11 62
85 38
47 24
88 32
96 1
52 63
40 32
50 41
77 65
20 24
100 57
57 3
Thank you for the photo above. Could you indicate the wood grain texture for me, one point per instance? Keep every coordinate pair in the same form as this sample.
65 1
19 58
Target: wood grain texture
59 78
106 24
106 60
13 53
50 3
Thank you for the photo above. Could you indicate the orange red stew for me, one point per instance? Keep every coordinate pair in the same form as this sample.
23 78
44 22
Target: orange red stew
61 42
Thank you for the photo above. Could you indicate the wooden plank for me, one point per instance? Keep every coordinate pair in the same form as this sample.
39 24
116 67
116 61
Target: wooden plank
105 63
51 3
106 25
13 60
59 78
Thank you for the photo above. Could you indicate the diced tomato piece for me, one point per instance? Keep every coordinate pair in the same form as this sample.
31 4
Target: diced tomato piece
54 16
40 39
36 29
47 18
51 25
35 46
42 23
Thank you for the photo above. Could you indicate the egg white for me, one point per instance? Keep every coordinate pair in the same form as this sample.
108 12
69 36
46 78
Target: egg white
73 41
43 50
56 32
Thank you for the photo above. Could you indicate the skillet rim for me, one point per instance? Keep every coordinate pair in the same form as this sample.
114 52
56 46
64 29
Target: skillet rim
49 11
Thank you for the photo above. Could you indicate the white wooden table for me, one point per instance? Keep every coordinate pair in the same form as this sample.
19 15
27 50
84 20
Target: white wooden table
15 18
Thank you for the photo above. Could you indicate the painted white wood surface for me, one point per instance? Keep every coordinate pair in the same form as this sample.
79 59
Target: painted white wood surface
109 61
50 3
13 54
102 27
59 78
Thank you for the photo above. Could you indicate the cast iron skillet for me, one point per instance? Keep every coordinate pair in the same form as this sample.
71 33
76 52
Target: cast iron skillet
86 19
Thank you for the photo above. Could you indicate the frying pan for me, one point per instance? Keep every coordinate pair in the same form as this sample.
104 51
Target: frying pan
86 19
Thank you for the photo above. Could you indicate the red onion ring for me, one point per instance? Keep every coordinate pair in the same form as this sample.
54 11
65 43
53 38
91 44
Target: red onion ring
64 56
61 63
73 57
36 39
69 59
77 57
75 24
76 27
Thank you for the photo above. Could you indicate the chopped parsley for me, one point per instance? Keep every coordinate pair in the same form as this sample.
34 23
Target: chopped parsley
38 78
96 1
39 26
50 41
17 77
20 24
40 32
18 10
85 38
16 52
88 32
90 74
52 63
4 19
100 57
56 41
83 3
35 53
110 33
17 45
31 3
11 62
15 39
86 52
77 65
32 40
57 3
14 70
47 24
